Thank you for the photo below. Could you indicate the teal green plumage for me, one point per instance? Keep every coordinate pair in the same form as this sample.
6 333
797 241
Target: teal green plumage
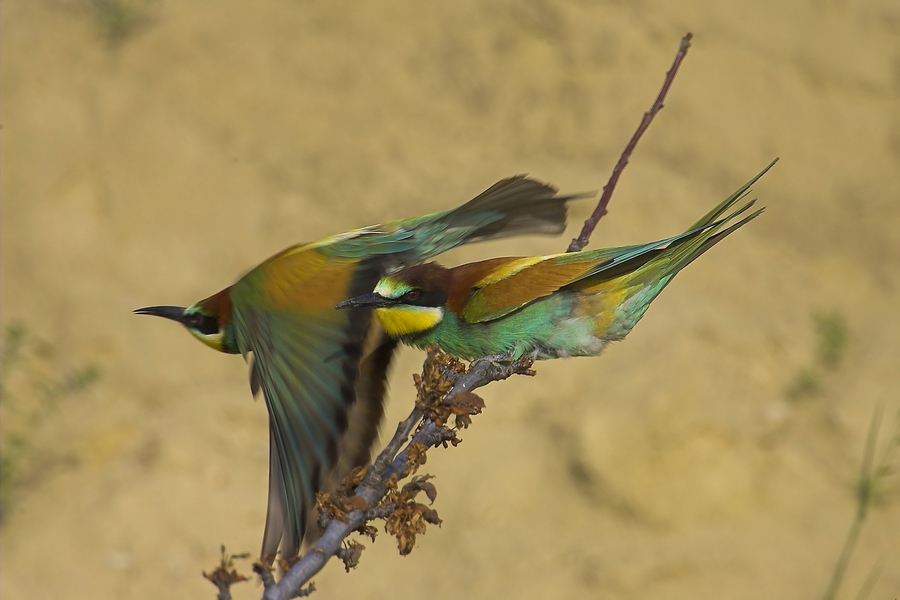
322 371
546 306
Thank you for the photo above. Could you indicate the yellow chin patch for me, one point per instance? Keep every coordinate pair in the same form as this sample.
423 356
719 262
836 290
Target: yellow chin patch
213 340
404 319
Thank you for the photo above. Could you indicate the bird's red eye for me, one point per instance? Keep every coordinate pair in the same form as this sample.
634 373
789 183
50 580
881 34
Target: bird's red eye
411 295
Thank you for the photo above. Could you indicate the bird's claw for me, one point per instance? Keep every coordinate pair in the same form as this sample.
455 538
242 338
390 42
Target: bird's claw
499 360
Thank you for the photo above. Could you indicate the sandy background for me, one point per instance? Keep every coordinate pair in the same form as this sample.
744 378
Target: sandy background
153 151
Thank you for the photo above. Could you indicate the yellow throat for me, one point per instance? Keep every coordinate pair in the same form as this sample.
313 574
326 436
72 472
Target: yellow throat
405 319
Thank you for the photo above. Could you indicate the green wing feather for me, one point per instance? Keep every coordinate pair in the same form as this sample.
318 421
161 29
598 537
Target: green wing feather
513 206
538 279
306 366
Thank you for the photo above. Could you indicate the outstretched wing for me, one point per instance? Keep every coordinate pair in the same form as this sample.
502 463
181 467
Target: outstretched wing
306 362
516 205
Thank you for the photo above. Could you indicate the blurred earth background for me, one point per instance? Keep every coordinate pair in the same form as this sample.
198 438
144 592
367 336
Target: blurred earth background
154 150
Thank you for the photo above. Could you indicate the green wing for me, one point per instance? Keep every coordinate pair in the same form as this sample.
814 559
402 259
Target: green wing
306 361
513 206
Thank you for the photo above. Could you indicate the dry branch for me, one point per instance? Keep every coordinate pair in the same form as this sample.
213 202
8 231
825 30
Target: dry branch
444 390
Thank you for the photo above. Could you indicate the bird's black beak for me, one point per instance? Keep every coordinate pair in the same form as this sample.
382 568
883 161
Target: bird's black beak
176 313
372 300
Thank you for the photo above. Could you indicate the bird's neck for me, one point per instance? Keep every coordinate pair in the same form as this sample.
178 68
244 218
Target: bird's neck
229 340
456 337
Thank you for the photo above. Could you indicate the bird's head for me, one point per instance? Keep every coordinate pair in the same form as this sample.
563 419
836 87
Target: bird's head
408 301
209 320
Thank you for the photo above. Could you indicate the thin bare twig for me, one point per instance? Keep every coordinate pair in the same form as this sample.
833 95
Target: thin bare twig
584 237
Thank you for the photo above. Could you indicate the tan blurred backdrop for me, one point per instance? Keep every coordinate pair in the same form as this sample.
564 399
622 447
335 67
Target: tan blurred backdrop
154 150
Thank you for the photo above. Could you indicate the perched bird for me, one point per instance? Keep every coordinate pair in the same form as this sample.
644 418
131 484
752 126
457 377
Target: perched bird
322 372
541 306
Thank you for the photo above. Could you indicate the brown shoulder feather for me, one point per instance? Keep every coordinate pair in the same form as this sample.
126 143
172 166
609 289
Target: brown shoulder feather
498 296
218 305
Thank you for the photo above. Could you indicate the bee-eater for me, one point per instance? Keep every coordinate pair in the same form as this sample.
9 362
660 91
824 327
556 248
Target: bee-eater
541 307
322 372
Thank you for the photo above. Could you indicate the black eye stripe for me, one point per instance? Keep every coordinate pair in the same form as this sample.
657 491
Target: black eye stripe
419 297
202 323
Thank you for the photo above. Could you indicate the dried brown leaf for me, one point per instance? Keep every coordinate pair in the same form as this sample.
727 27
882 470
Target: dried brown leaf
411 518
436 379
391 482
429 490
420 484
466 403
462 421
430 515
351 554
415 457
368 531
352 481
354 503
338 507
406 543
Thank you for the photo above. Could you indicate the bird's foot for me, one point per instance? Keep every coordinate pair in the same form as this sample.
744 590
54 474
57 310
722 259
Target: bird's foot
505 365
499 359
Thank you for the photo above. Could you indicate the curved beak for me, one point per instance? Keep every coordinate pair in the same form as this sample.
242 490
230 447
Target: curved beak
176 313
372 300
